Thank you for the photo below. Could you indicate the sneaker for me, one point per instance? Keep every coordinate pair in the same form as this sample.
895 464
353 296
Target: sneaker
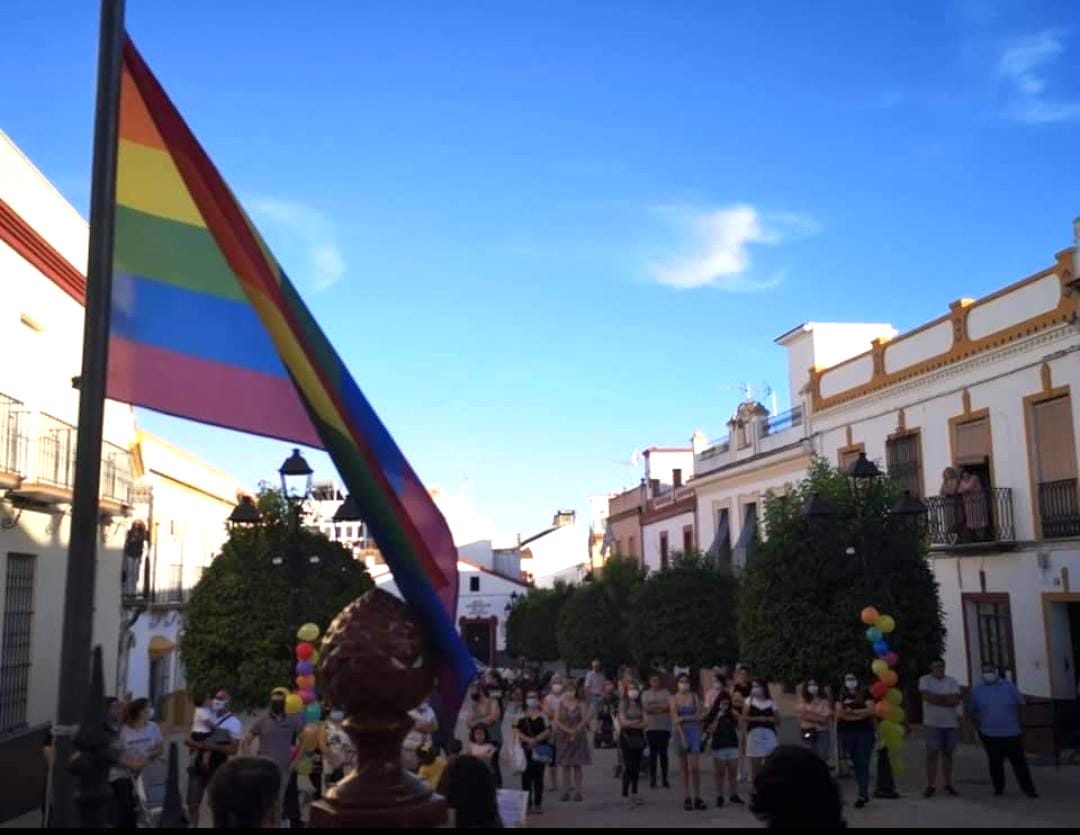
862 801
577 797
699 804
930 790
1034 795
735 800
719 801
951 792
667 785
688 805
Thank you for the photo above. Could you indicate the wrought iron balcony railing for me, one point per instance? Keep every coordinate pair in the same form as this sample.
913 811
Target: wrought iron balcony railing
785 420
981 516
1059 508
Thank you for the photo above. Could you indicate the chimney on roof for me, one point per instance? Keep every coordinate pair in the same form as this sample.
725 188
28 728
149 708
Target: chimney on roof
698 441
564 518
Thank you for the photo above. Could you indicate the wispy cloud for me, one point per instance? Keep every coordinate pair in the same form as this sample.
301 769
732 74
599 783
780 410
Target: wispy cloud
718 241
1024 64
317 232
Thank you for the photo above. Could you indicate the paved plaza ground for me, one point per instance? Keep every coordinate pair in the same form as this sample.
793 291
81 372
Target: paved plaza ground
1058 805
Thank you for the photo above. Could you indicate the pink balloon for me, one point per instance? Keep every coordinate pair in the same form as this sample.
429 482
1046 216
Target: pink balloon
892 659
307 696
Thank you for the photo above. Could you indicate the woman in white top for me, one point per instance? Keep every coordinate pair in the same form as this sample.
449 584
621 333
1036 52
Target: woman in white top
339 755
815 718
761 719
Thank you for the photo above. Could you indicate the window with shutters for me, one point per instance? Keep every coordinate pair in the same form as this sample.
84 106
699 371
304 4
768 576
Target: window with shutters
904 459
971 442
15 643
688 539
1054 461
663 550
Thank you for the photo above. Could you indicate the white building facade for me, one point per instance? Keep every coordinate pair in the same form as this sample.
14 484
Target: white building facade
485 599
43 246
989 388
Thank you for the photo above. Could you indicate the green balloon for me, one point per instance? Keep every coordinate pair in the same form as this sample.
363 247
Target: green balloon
894 697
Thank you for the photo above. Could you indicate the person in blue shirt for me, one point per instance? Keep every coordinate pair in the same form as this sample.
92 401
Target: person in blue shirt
995 706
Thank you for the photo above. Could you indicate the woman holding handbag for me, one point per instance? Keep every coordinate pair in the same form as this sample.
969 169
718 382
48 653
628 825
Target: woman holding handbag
533 733
631 742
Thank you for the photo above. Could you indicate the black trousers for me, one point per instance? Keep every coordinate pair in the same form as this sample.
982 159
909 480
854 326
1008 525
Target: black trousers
124 813
658 751
1011 748
631 767
532 781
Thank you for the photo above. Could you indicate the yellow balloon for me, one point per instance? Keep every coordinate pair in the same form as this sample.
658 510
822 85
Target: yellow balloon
879 667
886 624
310 737
308 632
293 703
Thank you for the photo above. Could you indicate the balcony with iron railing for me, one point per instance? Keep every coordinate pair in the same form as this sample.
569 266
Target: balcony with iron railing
785 420
37 460
1059 508
972 521
11 411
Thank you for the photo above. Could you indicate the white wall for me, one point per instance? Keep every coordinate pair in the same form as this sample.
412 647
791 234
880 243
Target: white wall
37 371
673 527
660 463
560 551
495 594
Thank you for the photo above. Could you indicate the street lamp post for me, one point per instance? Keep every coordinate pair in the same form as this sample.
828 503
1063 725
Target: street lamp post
296 476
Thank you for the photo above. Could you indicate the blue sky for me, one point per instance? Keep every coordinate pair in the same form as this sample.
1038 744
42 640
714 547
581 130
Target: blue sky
545 234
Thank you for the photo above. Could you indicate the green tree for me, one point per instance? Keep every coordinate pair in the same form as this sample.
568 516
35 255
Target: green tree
685 615
801 596
531 625
236 631
595 619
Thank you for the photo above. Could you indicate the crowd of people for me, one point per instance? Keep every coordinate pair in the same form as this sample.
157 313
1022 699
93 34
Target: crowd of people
546 727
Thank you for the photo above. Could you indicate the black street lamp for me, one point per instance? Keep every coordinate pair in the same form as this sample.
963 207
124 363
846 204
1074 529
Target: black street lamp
245 514
296 476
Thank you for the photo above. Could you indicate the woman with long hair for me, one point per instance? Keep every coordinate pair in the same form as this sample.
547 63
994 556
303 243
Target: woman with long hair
855 730
472 794
761 717
572 739
686 717
722 729
534 731
140 743
815 718
484 712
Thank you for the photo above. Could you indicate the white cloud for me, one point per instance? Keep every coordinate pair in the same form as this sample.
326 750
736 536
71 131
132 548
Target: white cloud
1024 64
325 262
719 241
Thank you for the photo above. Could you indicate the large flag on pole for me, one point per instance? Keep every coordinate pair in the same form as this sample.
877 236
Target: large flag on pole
205 325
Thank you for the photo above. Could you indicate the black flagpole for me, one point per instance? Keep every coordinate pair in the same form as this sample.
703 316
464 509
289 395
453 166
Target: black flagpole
82 549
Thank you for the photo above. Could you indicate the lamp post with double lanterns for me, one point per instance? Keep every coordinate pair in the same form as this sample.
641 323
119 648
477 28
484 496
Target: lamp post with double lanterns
863 478
296 476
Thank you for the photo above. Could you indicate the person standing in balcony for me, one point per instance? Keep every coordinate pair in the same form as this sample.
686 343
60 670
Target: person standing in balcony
975 513
952 511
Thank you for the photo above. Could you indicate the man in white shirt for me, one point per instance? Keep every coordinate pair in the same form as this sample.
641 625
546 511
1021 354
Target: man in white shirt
941 700
594 690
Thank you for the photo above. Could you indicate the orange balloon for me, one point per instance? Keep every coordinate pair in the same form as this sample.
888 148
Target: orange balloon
305 682
882 709
890 678
870 616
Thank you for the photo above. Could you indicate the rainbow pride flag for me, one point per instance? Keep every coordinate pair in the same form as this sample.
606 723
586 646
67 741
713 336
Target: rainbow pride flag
205 325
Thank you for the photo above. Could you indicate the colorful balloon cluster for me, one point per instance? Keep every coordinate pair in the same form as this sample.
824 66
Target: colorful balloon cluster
305 700
888 696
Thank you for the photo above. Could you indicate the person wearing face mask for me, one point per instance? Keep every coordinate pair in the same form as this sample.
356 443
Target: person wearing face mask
140 744
631 742
338 752
722 731
276 732
815 719
855 731
686 718
534 734
995 706
223 742
740 692
572 739
761 718
719 686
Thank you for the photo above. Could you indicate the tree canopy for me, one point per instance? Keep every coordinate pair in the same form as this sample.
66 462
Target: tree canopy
802 593
236 630
595 619
530 629
684 615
